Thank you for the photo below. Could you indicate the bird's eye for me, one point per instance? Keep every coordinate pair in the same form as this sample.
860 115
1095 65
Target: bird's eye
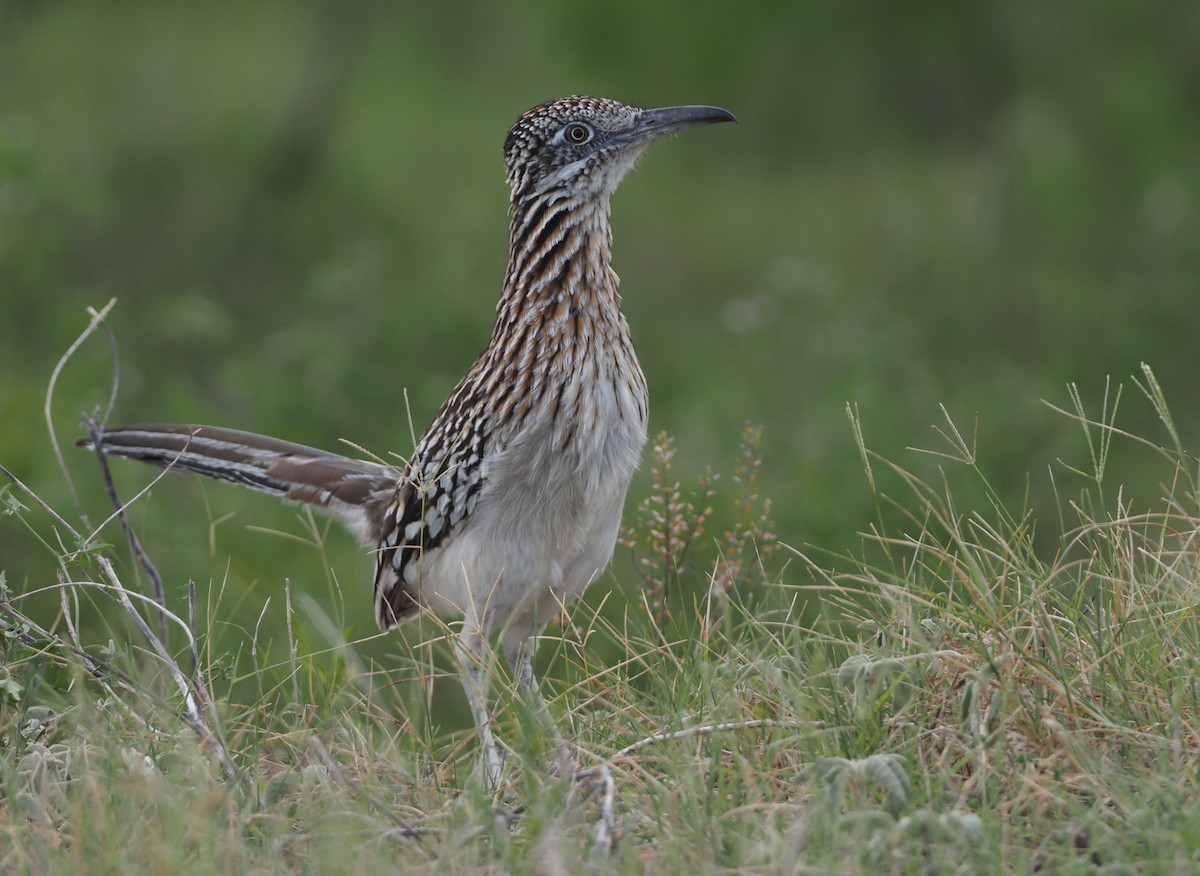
577 133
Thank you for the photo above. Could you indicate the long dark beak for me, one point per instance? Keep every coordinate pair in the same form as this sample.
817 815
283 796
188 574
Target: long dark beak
657 123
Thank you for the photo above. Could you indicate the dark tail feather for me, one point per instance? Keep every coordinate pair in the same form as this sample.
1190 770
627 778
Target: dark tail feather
354 491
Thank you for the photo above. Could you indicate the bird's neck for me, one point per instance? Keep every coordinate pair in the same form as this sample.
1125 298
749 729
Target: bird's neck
559 260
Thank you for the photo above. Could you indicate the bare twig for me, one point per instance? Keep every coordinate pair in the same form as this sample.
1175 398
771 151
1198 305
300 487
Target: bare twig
98 317
150 485
160 594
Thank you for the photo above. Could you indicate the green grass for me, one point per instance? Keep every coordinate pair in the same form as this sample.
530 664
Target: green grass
973 690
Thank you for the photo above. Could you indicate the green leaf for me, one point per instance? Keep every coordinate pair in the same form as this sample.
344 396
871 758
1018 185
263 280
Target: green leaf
12 688
8 502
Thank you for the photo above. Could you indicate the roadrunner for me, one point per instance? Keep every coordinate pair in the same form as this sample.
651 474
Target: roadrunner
509 507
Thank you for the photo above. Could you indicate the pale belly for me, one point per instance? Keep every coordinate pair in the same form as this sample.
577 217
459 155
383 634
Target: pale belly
546 520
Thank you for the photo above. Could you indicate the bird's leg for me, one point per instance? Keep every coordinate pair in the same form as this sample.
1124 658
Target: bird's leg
520 661
470 653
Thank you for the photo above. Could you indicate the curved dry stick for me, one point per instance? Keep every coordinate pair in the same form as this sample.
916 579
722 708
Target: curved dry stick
98 317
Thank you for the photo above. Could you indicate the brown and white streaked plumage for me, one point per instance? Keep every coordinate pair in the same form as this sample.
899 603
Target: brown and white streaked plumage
511 502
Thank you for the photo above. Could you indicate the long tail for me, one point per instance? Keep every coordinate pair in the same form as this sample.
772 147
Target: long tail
355 492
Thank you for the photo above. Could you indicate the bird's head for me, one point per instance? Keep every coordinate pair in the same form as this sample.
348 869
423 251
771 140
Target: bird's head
584 146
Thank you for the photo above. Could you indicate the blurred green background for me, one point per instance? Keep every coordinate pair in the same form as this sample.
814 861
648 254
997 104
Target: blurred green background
300 208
